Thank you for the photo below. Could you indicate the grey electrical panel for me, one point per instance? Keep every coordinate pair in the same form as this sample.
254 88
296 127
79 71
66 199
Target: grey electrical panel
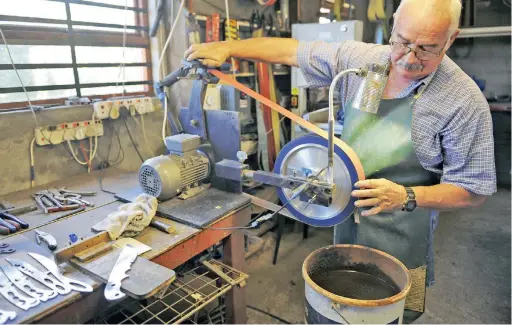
332 32
234 100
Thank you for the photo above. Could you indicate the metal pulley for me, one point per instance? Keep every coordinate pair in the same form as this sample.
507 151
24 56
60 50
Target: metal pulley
305 157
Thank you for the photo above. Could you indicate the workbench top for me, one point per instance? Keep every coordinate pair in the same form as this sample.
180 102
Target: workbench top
79 224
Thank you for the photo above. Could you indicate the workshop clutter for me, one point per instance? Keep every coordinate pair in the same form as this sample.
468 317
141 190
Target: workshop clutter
130 218
25 286
54 200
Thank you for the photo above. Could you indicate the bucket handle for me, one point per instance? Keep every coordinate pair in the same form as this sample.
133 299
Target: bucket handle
337 308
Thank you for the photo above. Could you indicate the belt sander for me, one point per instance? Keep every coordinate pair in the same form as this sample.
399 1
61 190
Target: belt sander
313 185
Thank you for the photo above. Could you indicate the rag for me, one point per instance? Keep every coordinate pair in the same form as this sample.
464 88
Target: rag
130 218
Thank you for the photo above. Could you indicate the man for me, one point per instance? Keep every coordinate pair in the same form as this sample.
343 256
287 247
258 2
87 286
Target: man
429 147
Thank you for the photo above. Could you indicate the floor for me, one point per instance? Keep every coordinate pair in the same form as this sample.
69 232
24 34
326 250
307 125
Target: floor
472 267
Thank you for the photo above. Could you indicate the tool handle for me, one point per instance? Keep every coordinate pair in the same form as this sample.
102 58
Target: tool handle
4 230
15 224
162 226
11 217
7 225
49 240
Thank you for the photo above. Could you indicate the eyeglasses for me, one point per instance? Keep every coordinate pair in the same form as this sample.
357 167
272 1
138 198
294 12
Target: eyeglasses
421 54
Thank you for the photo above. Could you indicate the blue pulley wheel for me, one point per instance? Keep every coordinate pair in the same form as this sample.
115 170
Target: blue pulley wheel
307 156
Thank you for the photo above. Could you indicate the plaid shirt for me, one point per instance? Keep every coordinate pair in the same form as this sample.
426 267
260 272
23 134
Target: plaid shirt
451 127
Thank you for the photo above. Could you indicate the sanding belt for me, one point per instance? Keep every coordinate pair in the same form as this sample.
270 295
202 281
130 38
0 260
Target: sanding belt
295 118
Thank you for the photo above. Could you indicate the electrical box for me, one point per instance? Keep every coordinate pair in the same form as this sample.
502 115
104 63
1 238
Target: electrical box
234 100
332 33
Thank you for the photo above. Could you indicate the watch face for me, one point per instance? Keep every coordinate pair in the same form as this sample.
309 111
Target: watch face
411 205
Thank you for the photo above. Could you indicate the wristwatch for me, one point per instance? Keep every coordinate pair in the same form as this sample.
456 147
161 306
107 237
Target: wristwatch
410 203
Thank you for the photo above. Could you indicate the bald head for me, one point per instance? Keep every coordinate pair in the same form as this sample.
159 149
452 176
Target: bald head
441 13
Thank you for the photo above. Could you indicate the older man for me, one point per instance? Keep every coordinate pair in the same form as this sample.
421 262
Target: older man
429 147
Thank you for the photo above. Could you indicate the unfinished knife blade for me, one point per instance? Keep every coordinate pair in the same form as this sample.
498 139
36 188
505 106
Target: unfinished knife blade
118 273
54 269
6 315
9 291
23 283
41 277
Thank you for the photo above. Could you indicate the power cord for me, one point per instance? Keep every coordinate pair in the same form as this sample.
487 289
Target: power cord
107 163
131 139
269 314
122 65
258 221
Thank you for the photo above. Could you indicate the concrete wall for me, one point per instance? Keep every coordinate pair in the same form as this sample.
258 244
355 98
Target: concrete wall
55 162
488 59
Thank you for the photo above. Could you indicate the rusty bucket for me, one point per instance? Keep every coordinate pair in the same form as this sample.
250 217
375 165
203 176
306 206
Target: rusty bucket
352 284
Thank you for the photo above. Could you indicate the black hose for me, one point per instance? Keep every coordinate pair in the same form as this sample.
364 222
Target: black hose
269 314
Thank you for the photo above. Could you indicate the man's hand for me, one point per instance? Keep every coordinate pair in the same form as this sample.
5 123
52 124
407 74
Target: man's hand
209 54
381 194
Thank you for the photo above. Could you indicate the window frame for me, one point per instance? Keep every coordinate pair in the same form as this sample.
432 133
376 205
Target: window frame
29 35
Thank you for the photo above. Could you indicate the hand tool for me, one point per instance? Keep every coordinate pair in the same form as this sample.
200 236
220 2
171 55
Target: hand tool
9 223
162 226
54 269
47 238
82 193
22 282
46 201
6 315
5 250
123 265
9 291
41 277
40 203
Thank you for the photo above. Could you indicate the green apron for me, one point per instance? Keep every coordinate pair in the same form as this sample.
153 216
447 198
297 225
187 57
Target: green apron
384 145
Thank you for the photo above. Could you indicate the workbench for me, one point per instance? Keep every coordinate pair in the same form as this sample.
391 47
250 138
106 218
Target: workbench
168 250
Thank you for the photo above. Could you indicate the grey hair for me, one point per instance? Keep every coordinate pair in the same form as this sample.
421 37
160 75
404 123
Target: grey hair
455 7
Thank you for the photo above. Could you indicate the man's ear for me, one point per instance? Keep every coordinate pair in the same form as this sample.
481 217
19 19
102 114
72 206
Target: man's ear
454 36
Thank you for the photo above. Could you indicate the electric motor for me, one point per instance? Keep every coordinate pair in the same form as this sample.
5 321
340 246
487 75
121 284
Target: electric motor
169 175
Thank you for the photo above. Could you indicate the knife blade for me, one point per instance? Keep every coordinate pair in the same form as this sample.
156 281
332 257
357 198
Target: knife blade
54 269
118 273
22 282
41 277
6 315
9 291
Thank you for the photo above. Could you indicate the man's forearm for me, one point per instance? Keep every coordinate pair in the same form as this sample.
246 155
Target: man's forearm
266 49
446 197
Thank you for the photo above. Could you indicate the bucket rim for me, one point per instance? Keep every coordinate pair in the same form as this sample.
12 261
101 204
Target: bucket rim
358 302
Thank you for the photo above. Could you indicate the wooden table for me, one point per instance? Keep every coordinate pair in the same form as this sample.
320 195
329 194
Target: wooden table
168 250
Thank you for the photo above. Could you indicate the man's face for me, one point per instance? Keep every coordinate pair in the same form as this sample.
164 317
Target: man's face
428 40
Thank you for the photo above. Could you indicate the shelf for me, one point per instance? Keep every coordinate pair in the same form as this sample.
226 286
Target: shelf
243 24
485 31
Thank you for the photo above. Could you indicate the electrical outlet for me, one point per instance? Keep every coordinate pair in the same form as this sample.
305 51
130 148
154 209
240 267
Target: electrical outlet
102 109
56 134
111 108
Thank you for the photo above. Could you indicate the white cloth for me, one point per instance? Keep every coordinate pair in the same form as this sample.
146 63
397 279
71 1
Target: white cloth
130 218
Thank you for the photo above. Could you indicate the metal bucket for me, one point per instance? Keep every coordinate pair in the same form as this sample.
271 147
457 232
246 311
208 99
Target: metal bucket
326 307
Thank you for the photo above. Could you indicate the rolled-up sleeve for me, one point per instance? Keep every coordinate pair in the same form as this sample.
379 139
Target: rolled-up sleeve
468 149
320 61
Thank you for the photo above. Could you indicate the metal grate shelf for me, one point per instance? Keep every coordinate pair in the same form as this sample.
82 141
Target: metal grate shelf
189 293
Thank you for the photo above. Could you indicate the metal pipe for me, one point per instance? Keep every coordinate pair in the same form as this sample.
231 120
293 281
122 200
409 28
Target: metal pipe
330 152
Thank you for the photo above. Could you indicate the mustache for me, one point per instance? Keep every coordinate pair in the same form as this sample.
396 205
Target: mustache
410 67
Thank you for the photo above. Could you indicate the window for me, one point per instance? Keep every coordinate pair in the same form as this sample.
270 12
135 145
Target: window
65 48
